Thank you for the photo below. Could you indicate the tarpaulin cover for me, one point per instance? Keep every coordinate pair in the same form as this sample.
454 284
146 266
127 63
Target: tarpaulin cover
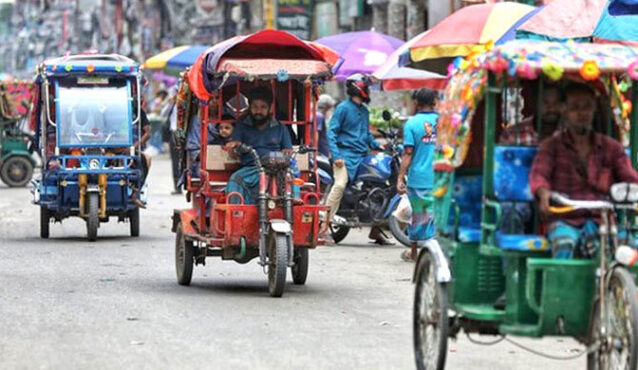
282 68
563 20
618 23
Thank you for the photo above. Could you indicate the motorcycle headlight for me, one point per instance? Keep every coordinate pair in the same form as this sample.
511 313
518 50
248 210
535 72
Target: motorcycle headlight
94 164
624 192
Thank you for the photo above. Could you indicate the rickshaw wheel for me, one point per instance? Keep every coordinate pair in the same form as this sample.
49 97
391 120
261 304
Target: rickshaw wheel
620 351
339 233
277 263
430 319
92 220
399 230
16 171
300 269
134 221
44 222
183 257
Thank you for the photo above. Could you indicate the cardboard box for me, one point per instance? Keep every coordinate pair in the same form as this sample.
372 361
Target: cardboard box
218 159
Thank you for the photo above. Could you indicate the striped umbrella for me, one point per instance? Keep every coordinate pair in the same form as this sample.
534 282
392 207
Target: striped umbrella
175 60
395 77
465 29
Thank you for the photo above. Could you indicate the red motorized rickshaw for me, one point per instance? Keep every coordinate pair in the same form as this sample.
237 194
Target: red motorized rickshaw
284 224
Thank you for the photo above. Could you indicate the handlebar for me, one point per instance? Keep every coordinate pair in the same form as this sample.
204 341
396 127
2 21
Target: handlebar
569 205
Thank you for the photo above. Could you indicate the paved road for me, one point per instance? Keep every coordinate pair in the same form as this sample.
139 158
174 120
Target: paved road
69 304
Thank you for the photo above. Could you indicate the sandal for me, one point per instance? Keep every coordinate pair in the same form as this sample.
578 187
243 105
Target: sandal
407 256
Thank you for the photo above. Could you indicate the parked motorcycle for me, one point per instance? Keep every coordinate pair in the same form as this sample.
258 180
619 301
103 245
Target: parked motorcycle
371 197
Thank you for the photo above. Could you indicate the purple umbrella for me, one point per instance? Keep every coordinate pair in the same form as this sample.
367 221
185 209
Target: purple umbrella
362 52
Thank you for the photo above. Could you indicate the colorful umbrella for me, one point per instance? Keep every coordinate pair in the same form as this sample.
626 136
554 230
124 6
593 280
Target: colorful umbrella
618 23
465 29
395 77
562 20
362 52
176 59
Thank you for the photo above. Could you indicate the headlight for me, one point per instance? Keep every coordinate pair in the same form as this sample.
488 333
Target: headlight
624 192
94 164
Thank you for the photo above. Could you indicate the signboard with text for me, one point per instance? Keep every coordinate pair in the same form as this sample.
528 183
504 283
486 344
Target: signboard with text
295 16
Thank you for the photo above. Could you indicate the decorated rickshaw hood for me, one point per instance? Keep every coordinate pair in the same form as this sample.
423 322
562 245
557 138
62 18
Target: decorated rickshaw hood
90 64
526 59
265 54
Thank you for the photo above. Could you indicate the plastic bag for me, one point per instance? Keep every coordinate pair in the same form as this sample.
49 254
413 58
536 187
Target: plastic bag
403 213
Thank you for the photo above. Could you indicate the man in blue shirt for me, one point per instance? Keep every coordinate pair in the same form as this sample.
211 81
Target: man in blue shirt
350 141
260 130
419 140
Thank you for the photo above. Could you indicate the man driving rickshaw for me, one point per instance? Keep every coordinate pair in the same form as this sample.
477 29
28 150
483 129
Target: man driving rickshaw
581 164
264 133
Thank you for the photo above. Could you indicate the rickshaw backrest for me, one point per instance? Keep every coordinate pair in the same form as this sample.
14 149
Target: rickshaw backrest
511 172
468 193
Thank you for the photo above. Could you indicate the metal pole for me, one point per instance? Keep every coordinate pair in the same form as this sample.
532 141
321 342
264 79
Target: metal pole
633 130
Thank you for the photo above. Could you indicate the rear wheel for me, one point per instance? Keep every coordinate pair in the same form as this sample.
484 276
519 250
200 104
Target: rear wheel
134 221
184 252
16 171
430 320
44 222
92 219
619 348
399 230
300 269
277 263
339 232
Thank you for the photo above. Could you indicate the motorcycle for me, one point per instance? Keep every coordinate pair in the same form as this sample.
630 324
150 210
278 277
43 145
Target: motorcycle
371 197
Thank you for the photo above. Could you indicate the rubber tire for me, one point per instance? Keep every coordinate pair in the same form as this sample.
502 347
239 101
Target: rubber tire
184 256
425 270
395 228
19 160
300 269
134 222
44 222
277 246
339 233
92 218
627 284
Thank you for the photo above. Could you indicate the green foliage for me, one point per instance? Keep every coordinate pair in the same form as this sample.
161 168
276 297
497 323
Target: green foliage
377 121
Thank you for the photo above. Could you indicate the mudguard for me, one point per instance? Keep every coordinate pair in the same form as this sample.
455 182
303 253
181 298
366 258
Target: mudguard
280 226
443 274
187 217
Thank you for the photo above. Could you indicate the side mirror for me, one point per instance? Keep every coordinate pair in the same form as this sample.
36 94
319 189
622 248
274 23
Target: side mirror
387 116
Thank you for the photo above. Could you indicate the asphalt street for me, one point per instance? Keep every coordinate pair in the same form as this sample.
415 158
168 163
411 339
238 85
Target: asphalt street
66 303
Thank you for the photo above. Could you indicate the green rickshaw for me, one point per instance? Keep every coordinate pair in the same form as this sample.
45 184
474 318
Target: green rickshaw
492 246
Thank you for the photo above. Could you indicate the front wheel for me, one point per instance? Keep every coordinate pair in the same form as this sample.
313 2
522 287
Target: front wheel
44 222
16 171
618 349
300 269
184 253
277 263
92 219
399 230
430 319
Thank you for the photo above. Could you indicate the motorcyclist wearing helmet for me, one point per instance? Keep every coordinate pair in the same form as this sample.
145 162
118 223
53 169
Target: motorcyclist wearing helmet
350 140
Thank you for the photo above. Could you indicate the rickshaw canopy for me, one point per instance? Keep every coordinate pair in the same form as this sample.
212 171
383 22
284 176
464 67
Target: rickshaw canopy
265 54
524 59
90 64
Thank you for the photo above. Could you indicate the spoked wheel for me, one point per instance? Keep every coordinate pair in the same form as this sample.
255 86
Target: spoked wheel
430 320
16 171
619 348
184 252
44 222
300 269
92 219
399 230
277 246
339 232
134 221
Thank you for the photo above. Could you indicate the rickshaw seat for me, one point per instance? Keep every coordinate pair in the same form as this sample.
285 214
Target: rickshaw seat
469 234
511 185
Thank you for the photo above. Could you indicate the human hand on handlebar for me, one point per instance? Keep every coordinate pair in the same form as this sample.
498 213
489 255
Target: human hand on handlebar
230 146
287 152
544 196
339 163
401 187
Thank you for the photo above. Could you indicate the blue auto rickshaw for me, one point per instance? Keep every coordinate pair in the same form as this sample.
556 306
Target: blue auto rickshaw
88 116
